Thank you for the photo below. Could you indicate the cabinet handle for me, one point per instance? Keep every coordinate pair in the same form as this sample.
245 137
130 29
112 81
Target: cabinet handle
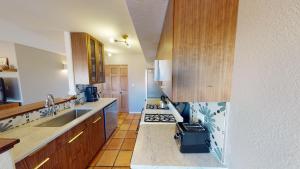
99 118
75 137
42 163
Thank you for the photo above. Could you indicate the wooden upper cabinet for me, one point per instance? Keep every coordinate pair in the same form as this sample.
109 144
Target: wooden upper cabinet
88 60
199 37
100 49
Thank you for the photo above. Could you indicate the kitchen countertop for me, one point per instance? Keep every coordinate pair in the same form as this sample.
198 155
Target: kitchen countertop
156 148
33 138
6 144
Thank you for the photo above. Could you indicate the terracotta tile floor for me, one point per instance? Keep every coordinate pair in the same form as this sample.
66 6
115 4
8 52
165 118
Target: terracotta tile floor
117 151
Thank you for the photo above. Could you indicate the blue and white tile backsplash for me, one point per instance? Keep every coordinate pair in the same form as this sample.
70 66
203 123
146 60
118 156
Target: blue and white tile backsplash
80 92
212 115
23 119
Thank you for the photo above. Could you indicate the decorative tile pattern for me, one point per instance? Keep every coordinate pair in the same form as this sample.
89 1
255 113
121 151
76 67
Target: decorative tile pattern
212 115
20 120
80 92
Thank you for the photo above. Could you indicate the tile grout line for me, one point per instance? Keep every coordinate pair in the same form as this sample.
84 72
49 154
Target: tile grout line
123 140
120 147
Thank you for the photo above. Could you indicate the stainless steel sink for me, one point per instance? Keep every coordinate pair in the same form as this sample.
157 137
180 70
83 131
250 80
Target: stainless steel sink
64 119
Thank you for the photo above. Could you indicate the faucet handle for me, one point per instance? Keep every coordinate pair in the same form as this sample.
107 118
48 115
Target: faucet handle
50 98
47 103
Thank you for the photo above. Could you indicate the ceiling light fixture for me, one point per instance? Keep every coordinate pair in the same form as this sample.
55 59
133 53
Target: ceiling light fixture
109 54
124 40
111 40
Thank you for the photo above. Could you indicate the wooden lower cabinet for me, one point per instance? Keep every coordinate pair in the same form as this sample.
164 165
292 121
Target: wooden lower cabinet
21 165
96 139
74 149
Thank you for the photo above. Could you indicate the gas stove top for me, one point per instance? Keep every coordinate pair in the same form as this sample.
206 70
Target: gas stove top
156 106
167 118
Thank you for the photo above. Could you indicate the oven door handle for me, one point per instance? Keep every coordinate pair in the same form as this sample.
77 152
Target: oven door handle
178 135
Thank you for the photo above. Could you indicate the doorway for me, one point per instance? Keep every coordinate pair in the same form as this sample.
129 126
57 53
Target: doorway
116 85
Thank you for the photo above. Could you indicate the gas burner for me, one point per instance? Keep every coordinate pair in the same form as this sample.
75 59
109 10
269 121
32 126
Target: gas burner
156 106
168 118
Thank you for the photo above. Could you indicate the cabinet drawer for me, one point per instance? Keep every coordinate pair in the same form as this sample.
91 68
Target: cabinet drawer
21 165
41 158
94 118
75 130
60 141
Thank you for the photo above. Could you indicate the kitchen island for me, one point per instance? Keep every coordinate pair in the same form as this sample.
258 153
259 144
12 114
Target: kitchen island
156 148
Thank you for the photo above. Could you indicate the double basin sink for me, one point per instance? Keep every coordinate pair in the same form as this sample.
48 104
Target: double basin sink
64 119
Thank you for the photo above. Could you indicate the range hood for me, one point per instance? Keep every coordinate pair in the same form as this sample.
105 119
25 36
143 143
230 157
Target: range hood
162 70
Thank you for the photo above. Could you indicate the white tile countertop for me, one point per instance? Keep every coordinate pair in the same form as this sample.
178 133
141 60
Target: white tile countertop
156 148
33 138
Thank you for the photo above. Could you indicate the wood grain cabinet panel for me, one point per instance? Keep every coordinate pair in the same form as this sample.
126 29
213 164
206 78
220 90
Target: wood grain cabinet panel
74 149
96 134
21 165
100 60
199 37
42 157
88 59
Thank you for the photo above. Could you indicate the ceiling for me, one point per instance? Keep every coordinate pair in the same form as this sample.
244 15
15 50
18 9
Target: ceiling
148 17
42 23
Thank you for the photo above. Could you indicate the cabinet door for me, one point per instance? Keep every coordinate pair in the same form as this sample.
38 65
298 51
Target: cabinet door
96 135
42 158
99 132
93 65
76 151
21 165
101 71
203 50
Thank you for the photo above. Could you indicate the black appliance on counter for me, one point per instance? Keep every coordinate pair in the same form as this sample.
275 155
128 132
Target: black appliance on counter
192 138
3 97
91 94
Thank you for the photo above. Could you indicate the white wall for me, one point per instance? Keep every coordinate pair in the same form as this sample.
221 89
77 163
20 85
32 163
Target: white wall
11 80
47 40
6 160
136 78
69 62
41 72
264 122
7 49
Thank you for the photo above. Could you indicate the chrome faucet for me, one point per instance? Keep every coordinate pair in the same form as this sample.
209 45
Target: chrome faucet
50 104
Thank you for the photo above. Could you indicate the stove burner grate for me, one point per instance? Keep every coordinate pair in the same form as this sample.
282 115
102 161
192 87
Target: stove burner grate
156 106
168 118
